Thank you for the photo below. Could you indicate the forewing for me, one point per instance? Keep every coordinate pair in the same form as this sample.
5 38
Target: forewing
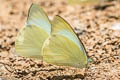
60 26
38 17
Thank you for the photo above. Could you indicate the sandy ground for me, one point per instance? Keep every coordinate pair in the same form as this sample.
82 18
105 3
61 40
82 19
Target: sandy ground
97 26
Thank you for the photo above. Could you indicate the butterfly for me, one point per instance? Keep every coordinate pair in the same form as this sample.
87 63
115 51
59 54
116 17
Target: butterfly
54 42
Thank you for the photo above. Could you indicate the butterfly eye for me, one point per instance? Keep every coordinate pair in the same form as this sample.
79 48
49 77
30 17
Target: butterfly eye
54 35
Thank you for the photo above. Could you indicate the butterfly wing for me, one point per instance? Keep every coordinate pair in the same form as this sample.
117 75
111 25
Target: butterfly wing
38 17
64 47
30 39
60 26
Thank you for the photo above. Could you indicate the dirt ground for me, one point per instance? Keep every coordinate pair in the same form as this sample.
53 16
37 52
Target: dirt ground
98 26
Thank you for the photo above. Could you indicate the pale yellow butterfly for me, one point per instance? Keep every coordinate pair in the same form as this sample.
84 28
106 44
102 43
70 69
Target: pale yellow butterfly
54 42
30 39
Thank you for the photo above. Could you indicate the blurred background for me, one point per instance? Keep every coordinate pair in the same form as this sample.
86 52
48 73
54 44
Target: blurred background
96 22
